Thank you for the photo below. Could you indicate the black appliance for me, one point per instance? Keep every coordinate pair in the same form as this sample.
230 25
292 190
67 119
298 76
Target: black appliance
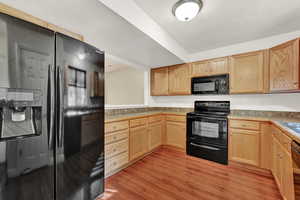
211 84
207 131
51 115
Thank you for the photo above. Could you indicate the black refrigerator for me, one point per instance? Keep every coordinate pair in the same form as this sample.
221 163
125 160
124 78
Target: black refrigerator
51 115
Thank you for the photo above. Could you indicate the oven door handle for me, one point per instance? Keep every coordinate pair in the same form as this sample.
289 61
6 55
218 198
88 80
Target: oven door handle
205 146
203 117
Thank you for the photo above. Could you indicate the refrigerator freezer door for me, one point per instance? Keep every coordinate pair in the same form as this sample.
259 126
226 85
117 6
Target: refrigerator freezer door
26 156
80 120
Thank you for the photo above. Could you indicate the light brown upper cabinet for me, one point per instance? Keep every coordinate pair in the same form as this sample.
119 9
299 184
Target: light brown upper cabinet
160 81
210 67
179 80
284 66
249 72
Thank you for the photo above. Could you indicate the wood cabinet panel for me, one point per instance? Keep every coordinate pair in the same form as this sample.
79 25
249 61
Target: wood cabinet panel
243 124
244 146
282 138
283 170
160 81
176 134
179 80
248 72
218 66
284 66
116 136
138 142
200 68
210 67
115 163
176 118
154 119
287 176
155 135
116 126
266 146
138 122
116 148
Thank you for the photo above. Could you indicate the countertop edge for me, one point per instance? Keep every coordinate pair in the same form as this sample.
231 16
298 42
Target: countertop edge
141 115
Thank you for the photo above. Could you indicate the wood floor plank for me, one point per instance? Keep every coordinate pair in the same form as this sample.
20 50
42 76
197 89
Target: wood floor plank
168 174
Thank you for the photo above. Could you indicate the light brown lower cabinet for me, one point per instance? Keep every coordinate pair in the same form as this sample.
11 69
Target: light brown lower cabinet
155 135
139 140
283 170
176 134
244 146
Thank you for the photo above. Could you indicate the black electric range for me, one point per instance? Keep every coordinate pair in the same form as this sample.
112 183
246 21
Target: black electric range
207 131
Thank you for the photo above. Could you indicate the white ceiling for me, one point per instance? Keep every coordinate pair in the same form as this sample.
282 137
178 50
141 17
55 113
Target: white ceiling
222 23
102 28
144 33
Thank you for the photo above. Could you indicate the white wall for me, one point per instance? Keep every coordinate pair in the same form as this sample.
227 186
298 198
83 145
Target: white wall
272 102
124 86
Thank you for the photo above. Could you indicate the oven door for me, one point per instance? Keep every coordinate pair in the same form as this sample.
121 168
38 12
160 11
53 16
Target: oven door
207 130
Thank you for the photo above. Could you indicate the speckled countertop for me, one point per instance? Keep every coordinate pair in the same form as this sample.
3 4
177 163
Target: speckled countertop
127 116
274 117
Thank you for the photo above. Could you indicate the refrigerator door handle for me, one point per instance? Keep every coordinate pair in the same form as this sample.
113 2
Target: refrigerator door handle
58 106
50 106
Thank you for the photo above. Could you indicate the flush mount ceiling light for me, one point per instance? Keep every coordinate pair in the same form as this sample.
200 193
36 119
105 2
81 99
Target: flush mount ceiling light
186 10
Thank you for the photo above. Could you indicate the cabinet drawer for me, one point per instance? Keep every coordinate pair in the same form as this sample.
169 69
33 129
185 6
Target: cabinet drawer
116 136
155 119
138 122
116 148
251 125
176 118
116 126
116 162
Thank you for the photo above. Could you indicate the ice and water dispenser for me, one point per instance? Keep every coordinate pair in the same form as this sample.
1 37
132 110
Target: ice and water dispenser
20 113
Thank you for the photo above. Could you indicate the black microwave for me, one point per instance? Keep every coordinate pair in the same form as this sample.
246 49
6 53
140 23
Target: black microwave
211 84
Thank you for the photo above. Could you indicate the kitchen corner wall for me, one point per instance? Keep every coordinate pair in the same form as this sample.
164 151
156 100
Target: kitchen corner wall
124 86
267 102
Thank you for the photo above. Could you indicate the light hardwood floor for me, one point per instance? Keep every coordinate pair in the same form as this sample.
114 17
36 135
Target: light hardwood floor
168 174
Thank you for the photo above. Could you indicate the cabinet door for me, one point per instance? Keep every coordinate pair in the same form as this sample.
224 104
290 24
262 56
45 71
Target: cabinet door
159 82
179 80
200 68
244 146
248 72
266 145
277 163
155 135
218 66
210 67
176 134
138 142
284 66
287 175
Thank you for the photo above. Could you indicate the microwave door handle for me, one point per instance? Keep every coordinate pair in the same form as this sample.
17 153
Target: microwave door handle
50 106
